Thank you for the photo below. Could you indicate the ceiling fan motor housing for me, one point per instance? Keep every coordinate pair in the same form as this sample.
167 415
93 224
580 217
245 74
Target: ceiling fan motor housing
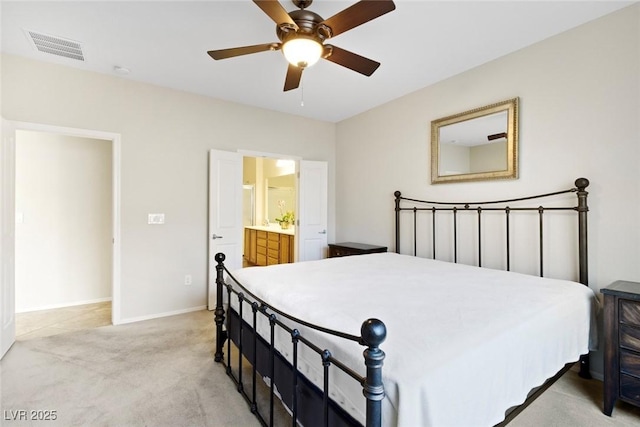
307 22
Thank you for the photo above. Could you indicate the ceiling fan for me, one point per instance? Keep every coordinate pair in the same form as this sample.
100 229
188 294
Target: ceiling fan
302 34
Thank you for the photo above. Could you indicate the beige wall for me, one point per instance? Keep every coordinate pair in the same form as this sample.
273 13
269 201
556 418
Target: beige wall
579 116
165 137
64 220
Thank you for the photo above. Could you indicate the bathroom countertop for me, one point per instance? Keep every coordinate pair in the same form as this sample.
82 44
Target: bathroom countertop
274 228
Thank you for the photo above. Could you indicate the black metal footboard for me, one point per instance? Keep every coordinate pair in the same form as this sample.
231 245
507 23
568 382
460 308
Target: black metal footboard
303 398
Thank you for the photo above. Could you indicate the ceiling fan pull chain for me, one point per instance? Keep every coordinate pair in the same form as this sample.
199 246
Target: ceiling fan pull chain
302 93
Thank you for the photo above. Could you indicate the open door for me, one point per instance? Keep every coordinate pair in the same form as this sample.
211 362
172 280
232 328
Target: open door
7 244
225 214
312 196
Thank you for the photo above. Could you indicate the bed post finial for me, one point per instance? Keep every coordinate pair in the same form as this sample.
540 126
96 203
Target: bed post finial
582 183
373 333
397 194
219 311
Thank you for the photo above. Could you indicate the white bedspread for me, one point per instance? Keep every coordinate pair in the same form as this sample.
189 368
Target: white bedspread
463 343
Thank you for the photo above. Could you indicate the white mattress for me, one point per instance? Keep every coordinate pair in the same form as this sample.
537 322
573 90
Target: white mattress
463 343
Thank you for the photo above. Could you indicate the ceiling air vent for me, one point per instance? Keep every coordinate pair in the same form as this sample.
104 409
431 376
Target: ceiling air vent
55 45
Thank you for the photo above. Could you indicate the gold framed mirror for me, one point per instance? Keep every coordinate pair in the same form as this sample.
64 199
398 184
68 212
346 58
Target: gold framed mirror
476 145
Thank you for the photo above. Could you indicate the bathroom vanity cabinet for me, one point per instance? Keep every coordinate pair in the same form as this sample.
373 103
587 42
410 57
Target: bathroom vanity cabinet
268 245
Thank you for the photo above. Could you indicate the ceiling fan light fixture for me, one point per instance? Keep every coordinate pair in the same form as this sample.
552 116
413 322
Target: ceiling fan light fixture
302 52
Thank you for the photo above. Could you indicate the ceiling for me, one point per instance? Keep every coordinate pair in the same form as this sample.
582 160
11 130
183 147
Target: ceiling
166 42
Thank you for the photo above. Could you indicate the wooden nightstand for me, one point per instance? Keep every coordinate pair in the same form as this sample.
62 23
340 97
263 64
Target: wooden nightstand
622 344
351 248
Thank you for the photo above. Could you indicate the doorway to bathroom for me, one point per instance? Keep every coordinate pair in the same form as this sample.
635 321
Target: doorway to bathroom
269 206
226 229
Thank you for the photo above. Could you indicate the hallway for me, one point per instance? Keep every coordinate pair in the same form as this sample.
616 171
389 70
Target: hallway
44 323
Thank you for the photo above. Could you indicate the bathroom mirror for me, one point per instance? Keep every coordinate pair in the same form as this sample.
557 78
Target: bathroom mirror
281 196
475 145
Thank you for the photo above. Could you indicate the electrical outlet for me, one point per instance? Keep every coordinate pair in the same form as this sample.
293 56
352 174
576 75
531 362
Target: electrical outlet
187 280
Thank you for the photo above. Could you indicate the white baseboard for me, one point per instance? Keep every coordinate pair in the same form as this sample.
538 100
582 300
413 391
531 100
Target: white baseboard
158 315
62 305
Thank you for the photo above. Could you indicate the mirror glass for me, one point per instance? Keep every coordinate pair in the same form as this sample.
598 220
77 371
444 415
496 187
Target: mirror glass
281 196
476 145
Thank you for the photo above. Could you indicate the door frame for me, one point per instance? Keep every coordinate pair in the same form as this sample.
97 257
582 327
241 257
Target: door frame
276 156
115 139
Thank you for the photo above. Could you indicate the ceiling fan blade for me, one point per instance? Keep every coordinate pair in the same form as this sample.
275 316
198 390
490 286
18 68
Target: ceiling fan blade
244 50
294 75
496 136
276 12
358 14
351 60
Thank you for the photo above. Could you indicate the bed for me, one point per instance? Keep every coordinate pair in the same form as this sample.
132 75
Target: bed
427 342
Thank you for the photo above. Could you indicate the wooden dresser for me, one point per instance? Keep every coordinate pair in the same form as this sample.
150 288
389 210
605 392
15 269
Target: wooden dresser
267 247
352 248
622 344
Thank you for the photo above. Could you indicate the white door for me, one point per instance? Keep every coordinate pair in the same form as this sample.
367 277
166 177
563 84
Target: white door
225 213
312 230
7 245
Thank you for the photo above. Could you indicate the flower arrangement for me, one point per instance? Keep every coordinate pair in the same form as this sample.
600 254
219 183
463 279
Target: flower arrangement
286 217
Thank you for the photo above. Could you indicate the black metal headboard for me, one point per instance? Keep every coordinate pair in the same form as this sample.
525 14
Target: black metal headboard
417 206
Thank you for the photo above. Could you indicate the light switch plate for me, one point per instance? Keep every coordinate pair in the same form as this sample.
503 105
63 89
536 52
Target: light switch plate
156 218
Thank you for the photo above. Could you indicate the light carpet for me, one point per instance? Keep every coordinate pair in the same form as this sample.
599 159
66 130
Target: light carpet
153 373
